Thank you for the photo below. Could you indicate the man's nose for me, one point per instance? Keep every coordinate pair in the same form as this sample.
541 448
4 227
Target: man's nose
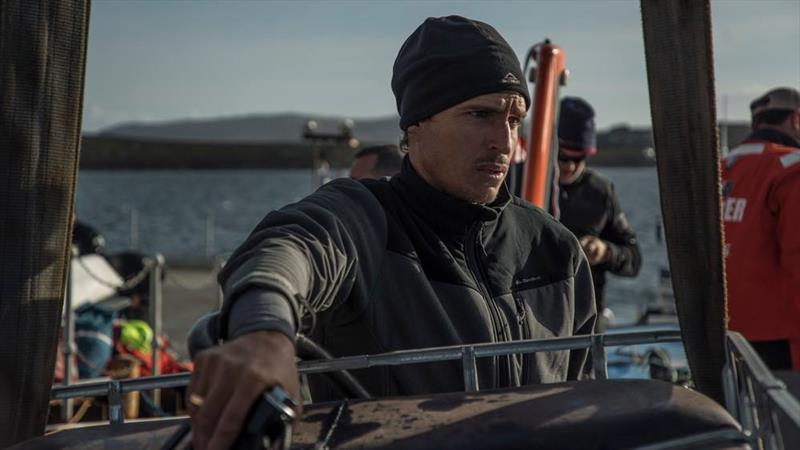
503 137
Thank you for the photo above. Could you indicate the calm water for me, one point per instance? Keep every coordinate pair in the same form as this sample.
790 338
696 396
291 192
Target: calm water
202 213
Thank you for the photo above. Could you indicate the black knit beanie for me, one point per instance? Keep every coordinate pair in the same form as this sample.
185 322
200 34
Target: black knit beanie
448 60
576 126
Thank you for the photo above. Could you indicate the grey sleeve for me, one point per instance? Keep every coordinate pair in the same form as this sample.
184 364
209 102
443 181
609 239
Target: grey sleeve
584 319
312 254
261 310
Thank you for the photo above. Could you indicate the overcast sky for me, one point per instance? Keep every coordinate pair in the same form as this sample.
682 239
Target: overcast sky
165 60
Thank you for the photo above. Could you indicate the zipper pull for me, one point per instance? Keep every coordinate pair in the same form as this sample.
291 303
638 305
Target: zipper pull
520 304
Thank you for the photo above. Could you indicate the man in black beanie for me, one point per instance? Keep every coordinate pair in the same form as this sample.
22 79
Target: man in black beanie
588 203
440 254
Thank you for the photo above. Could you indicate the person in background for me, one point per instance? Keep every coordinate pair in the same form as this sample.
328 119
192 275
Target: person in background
86 238
132 265
761 213
375 162
588 204
439 254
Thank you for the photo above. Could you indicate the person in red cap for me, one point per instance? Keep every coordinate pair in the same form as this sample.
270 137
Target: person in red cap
587 202
761 213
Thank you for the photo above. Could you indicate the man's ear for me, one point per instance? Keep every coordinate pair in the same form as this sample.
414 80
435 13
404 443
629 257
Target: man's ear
414 133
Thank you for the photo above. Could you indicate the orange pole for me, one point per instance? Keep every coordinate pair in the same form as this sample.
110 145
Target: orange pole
549 67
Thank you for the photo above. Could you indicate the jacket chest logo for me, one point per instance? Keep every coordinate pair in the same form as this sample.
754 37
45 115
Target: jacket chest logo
522 283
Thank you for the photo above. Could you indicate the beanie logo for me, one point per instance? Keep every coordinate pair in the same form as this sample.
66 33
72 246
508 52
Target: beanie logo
510 78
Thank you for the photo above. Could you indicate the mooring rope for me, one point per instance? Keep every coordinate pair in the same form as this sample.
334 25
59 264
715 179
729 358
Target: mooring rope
126 284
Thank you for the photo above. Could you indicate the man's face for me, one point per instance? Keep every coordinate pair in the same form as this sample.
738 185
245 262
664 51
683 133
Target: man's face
364 167
465 150
570 168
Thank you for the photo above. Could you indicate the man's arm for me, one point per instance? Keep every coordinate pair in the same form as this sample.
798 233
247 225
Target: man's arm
624 257
302 259
310 252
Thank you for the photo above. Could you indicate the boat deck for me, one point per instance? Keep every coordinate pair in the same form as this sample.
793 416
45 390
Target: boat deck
189 291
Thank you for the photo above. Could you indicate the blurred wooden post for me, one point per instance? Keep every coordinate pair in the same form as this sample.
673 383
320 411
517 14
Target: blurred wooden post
43 43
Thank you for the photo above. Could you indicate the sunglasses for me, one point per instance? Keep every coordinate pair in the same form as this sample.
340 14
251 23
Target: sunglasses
575 159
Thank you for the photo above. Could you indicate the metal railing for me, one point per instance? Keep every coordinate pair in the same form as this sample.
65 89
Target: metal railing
756 398
156 269
467 354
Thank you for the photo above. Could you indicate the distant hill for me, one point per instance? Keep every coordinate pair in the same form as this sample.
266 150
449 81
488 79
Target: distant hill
255 128
262 141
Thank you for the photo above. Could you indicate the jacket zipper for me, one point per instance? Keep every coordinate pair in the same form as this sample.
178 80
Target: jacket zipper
522 321
473 241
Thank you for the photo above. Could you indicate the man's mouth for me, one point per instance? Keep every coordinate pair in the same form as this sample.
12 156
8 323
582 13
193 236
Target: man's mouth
494 170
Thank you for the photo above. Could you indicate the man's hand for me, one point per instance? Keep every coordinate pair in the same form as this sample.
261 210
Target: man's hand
596 250
228 379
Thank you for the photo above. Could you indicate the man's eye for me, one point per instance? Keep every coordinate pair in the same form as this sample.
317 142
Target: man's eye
515 121
480 114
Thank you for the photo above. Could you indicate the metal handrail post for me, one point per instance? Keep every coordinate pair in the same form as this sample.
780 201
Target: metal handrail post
469 365
729 381
115 414
776 440
747 410
599 359
155 317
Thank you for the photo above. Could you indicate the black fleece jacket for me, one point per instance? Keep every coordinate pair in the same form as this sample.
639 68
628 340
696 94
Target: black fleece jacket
386 265
589 206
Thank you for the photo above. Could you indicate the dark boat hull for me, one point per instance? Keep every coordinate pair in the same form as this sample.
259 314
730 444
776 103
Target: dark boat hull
574 415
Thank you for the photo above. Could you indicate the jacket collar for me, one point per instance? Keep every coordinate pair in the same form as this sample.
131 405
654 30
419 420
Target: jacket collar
441 210
773 136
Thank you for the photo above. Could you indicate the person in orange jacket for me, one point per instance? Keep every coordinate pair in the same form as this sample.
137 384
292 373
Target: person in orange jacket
761 213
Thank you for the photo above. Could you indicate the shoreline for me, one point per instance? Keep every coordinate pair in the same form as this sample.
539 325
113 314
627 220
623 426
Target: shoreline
129 154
